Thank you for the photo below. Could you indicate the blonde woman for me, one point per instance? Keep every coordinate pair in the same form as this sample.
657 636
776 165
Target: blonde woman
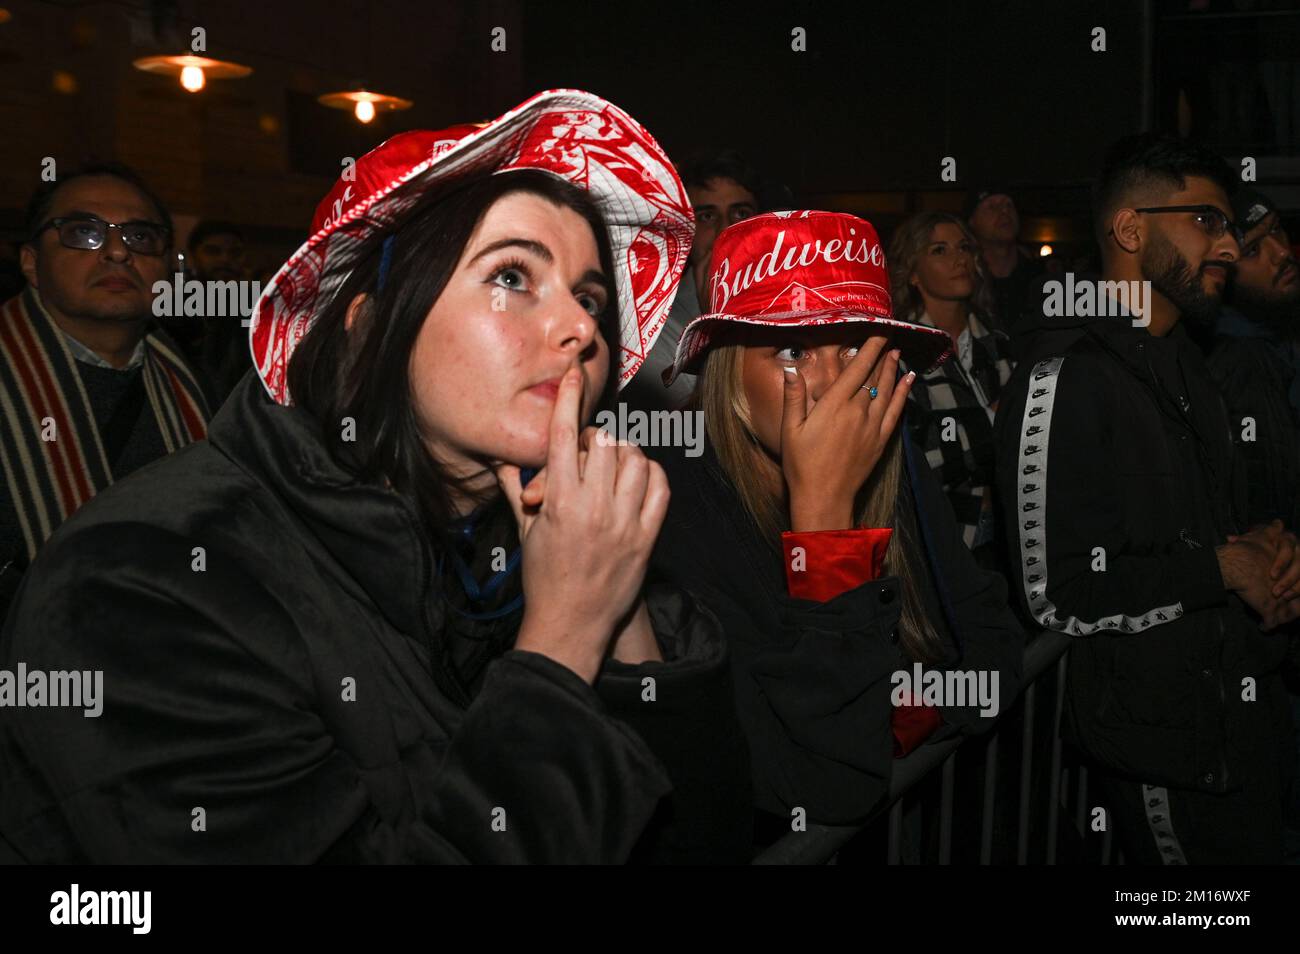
830 558
936 274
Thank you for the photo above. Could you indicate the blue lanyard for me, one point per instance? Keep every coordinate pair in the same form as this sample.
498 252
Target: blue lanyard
475 592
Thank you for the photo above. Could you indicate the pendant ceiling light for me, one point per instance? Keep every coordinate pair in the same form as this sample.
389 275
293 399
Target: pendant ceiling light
194 71
363 103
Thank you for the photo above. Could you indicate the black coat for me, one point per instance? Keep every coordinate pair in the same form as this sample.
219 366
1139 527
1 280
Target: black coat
1114 443
813 680
224 689
1255 378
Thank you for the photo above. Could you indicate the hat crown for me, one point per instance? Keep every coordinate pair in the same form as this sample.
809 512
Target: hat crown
1250 207
798 262
576 136
391 160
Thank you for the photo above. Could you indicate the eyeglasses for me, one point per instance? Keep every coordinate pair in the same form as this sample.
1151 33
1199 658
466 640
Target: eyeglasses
1208 217
91 232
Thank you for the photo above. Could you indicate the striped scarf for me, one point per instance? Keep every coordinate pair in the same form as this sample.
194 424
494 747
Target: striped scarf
50 446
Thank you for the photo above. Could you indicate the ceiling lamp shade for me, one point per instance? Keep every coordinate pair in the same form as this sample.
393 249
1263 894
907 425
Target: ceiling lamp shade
363 103
194 71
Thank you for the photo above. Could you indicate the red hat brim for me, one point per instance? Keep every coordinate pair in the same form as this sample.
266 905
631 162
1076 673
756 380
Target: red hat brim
922 347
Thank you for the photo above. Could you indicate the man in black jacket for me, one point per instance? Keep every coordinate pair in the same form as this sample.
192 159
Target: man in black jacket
1255 361
1255 358
1013 272
1117 470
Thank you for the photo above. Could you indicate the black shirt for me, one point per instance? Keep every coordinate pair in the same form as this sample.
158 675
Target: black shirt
105 387
1013 296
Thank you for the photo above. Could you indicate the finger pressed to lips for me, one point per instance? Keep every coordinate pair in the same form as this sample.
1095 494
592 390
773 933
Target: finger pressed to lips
562 452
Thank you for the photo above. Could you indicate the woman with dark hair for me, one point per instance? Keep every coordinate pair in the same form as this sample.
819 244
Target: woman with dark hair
807 526
349 627
936 273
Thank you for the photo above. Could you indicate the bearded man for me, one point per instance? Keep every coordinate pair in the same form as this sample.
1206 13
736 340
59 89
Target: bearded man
1127 523
1256 356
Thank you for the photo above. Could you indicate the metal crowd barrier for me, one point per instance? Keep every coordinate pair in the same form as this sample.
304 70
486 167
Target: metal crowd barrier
900 811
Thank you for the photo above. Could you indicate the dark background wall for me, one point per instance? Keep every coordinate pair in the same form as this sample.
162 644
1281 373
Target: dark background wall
860 121
882 93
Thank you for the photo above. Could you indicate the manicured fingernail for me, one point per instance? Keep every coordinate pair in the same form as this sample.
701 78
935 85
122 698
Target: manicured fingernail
910 377
790 370
896 353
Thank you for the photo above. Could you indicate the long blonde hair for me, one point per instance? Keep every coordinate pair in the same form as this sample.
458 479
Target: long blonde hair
882 501
909 243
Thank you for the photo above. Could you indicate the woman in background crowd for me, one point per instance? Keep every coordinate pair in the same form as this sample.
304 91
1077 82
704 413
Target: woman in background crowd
938 282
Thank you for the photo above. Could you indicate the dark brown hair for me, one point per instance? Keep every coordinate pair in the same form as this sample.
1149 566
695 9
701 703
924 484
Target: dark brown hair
364 373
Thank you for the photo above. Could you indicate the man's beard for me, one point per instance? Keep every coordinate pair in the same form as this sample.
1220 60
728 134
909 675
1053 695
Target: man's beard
1172 276
1279 312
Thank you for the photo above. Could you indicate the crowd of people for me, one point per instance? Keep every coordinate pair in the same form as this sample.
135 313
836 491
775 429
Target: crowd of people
363 582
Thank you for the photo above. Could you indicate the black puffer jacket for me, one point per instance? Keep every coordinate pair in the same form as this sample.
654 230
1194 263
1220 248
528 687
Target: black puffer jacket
1113 445
813 680
225 689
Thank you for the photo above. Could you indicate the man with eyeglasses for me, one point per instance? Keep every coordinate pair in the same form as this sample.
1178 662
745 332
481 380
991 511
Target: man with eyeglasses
1125 510
90 388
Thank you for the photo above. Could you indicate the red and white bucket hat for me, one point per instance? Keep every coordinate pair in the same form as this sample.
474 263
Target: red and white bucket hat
576 136
799 269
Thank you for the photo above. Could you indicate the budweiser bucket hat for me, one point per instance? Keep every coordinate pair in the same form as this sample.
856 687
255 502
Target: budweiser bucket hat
801 269
576 136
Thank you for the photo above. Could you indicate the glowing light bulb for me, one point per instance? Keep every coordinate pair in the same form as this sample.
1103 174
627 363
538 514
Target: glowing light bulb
192 78
1044 251
365 110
